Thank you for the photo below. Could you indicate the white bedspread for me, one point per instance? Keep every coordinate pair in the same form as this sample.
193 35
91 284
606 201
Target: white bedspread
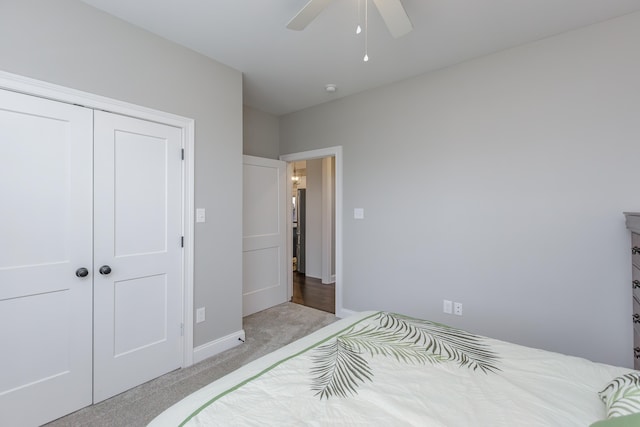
378 369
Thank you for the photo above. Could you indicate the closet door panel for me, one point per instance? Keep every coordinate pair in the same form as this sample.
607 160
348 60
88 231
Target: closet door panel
138 229
46 236
140 213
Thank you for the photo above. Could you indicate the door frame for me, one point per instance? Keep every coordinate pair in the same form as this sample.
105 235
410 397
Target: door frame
29 86
335 152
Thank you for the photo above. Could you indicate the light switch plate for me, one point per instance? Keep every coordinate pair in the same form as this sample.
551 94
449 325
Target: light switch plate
358 213
200 215
447 306
200 315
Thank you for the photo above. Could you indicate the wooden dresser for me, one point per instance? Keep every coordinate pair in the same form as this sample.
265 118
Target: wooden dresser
633 224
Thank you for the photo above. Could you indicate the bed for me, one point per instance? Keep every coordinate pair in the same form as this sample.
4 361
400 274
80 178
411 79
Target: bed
386 369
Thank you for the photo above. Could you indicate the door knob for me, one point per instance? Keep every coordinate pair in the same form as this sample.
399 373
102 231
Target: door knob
104 270
82 272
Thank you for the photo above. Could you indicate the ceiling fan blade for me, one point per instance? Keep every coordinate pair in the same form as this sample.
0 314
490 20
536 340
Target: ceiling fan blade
394 16
307 14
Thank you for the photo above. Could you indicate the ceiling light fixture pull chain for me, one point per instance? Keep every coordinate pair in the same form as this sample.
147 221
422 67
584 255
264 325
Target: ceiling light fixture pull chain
366 31
358 27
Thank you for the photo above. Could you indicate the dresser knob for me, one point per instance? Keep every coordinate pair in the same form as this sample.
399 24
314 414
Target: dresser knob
635 250
636 318
636 284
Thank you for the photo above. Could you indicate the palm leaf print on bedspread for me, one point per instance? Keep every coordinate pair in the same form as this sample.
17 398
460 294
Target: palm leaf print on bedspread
340 365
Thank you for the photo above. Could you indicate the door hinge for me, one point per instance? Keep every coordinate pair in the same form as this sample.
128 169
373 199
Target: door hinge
182 241
181 329
183 154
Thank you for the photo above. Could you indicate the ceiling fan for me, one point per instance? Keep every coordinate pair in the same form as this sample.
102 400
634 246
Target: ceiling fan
392 13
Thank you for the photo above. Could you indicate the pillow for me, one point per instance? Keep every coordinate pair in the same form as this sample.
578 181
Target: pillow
632 420
622 395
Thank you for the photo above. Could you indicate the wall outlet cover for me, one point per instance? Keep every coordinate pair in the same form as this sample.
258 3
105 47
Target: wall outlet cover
457 308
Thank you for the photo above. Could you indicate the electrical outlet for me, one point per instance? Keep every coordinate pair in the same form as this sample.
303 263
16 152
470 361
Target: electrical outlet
447 306
457 308
200 315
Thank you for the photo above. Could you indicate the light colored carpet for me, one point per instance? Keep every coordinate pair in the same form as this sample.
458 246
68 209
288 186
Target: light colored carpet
265 331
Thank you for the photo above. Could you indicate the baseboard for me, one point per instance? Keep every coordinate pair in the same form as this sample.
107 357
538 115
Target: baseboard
343 312
212 348
332 279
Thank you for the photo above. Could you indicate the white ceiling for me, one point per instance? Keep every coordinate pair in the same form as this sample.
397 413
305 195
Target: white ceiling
286 71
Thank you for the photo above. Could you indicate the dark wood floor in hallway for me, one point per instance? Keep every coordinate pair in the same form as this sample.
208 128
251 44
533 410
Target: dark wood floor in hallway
313 293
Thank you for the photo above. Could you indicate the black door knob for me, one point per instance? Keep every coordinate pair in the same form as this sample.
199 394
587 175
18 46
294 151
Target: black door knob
82 272
104 270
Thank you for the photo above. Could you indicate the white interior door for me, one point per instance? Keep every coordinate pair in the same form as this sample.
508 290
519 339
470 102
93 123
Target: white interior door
137 232
264 234
45 237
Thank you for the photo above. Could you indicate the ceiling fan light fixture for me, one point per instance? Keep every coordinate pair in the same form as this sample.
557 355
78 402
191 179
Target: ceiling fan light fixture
392 12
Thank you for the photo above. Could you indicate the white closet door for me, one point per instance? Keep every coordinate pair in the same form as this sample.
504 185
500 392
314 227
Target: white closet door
263 234
45 237
137 232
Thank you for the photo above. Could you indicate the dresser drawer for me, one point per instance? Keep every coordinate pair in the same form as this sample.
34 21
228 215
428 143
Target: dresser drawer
635 249
635 282
636 349
633 224
636 315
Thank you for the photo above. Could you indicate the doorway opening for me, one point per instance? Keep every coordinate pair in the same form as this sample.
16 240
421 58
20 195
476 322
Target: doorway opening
313 215
314 228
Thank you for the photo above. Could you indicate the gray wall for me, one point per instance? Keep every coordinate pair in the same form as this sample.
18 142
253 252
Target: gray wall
261 135
69 43
499 183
